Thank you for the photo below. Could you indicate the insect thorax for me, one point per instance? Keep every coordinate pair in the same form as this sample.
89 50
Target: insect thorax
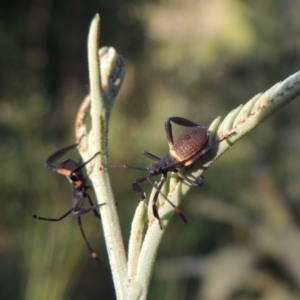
167 163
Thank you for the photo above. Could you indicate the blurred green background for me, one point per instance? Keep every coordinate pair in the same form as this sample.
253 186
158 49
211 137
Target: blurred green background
195 59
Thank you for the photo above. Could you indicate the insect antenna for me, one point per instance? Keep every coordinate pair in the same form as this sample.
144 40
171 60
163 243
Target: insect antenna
85 163
125 167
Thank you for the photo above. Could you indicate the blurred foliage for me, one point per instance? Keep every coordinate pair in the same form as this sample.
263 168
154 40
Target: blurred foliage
195 59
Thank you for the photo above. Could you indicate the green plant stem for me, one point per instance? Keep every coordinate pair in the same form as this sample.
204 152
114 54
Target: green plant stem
100 113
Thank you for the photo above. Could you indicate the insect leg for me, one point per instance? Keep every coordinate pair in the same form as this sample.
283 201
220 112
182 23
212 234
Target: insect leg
178 121
137 188
57 155
83 211
196 182
151 156
92 204
182 122
93 253
177 210
54 219
154 207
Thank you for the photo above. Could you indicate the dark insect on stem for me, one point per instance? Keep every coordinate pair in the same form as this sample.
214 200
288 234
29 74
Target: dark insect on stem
189 147
73 171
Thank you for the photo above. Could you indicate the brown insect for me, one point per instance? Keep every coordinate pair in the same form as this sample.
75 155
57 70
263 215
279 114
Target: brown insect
189 147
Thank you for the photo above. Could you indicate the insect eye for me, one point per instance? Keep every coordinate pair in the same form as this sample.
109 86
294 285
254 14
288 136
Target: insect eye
73 177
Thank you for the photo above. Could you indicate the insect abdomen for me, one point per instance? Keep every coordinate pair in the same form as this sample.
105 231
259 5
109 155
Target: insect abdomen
191 142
